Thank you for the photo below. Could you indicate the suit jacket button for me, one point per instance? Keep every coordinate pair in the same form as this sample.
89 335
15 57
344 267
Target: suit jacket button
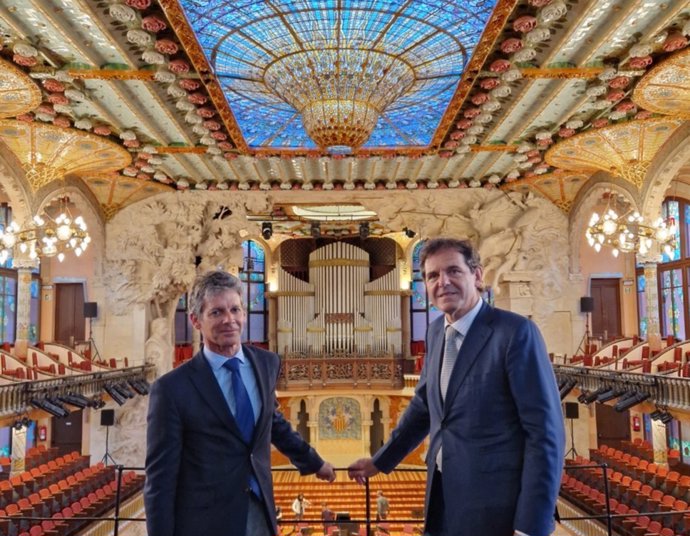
247 490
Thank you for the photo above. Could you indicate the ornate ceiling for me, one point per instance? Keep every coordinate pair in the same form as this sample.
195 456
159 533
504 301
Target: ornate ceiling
201 95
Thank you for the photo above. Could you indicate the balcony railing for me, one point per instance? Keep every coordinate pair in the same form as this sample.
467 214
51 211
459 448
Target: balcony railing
343 371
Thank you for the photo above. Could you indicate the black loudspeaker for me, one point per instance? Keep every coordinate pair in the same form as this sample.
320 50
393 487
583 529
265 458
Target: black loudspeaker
586 304
572 410
90 309
108 417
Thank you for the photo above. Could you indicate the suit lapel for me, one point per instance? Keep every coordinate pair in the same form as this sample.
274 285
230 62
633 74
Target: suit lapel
206 384
475 340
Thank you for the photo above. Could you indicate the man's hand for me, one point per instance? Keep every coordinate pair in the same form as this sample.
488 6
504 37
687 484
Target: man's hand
361 470
326 472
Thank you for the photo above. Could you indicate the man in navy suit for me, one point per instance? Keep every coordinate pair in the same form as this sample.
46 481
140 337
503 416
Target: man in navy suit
487 398
211 423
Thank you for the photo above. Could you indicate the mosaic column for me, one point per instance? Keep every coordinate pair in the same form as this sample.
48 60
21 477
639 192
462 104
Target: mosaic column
652 298
24 266
659 441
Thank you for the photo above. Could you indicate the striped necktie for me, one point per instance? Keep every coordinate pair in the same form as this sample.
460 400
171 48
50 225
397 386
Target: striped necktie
244 414
450 356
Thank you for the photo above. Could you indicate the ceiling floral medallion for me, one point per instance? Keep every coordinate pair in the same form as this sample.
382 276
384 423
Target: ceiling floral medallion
666 88
559 187
624 150
18 93
48 153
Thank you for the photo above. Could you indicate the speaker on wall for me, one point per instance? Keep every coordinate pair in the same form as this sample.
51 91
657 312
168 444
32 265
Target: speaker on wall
108 417
572 410
586 304
90 309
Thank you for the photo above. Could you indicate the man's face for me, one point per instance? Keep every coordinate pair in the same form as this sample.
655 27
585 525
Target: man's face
450 284
221 322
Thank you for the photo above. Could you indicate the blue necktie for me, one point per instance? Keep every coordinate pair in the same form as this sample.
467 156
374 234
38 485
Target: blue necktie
244 414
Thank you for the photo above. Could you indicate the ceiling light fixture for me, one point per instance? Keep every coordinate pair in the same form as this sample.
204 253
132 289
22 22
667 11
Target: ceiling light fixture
628 232
45 236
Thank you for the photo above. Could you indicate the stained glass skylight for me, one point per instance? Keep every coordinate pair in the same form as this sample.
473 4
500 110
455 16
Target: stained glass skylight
400 62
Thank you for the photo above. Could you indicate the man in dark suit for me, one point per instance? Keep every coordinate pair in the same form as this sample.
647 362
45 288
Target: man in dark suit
211 423
487 398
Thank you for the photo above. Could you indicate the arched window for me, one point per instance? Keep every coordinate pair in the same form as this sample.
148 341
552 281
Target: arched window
673 274
421 309
253 275
8 293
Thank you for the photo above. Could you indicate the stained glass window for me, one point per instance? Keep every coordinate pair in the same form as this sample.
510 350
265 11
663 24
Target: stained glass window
670 209
427 43
672 303
642 304
8 307
253 276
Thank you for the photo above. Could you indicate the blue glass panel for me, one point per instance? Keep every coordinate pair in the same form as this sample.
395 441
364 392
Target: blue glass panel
418 296
678 323
641 283
256 328
242 39
256 297
419 326
416 266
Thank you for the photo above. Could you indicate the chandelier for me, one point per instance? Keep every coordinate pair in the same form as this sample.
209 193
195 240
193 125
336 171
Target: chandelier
46 236
339 92
628 233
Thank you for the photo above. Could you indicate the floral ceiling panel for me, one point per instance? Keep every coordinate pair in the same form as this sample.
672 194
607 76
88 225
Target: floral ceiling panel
292 69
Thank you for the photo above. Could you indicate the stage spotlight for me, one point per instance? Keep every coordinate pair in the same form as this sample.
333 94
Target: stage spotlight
115 395
567 386
75 399
97 402
582 396
656 414
316 229
630 401
409 233
140 386
49 407
364 230
610 394
666 418
593 395
124 390
267 230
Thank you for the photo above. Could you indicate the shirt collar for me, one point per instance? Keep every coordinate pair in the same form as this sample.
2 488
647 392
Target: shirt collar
217 361
462 325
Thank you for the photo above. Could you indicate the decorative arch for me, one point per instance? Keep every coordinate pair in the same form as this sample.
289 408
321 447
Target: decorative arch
664 169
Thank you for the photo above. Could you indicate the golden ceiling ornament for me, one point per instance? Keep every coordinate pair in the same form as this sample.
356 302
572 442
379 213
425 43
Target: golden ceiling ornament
340 92
665 89
558 187
19 94
48 153
625 150
114 192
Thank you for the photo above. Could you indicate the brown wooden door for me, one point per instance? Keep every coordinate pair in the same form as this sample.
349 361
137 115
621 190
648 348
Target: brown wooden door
69 312
66 433
613 427
606 316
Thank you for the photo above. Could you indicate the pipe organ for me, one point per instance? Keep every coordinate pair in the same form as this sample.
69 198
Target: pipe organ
339 311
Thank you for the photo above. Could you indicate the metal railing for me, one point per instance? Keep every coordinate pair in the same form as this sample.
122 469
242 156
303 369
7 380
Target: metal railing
15 398
131 510
667 391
